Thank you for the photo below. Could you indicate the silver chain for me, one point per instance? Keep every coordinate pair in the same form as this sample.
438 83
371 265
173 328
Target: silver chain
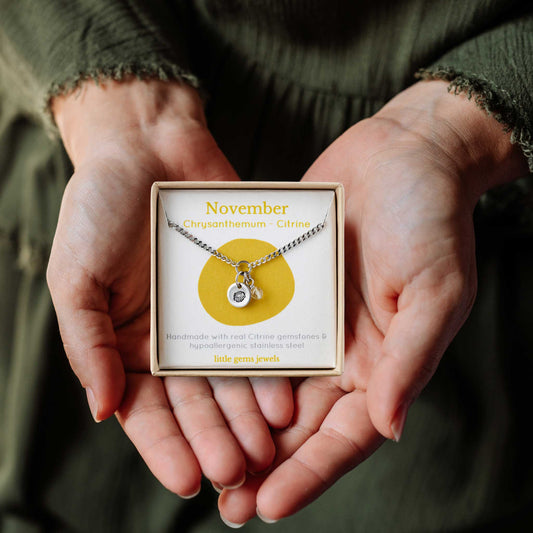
258 262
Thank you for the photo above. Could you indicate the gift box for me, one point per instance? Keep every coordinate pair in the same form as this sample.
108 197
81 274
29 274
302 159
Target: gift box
247 278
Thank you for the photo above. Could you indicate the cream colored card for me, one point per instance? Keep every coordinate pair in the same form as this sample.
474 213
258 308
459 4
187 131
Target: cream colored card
294 324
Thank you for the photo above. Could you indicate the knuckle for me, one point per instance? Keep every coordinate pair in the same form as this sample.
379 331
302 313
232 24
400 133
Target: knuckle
250 416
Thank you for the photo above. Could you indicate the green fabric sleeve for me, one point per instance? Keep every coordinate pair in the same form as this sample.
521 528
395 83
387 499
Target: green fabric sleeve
48 47
496 70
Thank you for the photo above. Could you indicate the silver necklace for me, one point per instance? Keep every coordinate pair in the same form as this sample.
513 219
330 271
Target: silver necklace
242 291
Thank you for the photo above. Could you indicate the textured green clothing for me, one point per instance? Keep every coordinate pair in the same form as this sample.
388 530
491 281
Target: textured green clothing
282 79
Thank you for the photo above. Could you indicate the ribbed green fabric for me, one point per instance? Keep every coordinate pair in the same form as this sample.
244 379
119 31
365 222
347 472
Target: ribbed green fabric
506 93
283 78
49 47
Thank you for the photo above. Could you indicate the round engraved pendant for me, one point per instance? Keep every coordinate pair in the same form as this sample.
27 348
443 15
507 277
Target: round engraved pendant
239 295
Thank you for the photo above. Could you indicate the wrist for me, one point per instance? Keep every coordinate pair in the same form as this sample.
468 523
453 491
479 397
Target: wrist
138 111
472 143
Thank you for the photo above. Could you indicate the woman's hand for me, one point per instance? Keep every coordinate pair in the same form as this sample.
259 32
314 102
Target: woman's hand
121 138
412 176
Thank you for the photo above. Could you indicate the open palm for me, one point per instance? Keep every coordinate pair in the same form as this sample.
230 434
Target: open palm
99 277
410 284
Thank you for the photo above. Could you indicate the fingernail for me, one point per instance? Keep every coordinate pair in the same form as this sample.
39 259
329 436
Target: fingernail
93 404
231 524
264 518
399 422
236 486
219 488
191 496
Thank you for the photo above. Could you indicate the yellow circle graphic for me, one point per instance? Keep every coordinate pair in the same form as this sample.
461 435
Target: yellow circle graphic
275 278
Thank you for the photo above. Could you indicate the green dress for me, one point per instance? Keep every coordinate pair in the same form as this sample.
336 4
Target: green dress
282 80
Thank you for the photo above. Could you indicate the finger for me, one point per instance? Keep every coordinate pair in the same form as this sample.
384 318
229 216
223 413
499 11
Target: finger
427 320
274 397
237 403
88 336
346 437
205 429
148 421
313 400
238 506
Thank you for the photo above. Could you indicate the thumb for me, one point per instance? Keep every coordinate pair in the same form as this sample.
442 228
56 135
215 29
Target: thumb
194 156
417 336
88 335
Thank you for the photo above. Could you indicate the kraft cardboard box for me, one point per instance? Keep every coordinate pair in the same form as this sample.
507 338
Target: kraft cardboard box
247 278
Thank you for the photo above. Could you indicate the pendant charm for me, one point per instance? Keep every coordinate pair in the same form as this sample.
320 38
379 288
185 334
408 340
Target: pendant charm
257 293
239 294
